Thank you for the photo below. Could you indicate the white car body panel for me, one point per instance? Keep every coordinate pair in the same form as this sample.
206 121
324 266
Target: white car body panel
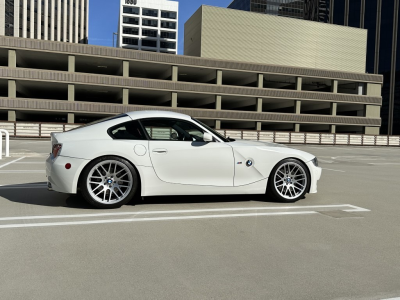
185 168
195 163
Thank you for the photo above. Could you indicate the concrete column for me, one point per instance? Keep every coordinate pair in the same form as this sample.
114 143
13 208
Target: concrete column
12 58
125 68
259 104
12 89
174 73
76 27
46 20
372 111
125 96
371 130
58 20
297 107
219 77
334 89
82 19
71 63
32 21
217 124
24 19
16 17
52 25
297 103
260 81
71 92
258 126
39 20
12 116
218 102
174 99
299 83
71 118
65 22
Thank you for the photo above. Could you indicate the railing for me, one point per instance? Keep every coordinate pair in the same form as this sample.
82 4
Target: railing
43 130
7 138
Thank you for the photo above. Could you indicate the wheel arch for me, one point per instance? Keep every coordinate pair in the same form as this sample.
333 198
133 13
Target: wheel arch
295 158
77 183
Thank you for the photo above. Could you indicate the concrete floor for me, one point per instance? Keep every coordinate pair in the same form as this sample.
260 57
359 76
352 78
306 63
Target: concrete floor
154 250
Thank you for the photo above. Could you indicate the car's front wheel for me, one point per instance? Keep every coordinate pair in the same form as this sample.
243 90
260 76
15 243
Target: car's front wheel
289 181
109 182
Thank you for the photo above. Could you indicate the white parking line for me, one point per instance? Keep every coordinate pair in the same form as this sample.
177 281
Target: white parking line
345 207
334 170
9 163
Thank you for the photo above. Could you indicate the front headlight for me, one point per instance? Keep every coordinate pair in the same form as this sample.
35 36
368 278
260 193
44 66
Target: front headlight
315 161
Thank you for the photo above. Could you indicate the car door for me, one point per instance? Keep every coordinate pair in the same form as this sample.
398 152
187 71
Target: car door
179 154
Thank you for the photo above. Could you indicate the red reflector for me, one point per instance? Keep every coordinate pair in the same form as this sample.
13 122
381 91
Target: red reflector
68 166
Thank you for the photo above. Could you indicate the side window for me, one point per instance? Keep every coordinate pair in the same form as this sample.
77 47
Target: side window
172 130
127 131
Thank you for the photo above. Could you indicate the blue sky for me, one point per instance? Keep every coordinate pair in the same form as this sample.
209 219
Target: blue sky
103 19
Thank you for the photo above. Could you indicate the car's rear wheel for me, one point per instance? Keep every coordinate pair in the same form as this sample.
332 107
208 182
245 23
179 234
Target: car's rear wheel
109 182
289 181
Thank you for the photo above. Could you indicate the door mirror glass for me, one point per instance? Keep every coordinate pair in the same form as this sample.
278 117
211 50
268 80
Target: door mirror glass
207 137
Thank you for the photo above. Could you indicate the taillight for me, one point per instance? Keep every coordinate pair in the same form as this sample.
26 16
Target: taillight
56 150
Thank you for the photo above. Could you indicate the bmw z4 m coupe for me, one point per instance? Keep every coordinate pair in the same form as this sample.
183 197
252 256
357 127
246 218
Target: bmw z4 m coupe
154 153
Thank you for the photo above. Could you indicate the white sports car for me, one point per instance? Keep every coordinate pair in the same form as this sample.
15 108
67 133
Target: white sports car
153 153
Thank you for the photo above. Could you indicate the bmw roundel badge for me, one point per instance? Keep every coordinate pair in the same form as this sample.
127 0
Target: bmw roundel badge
249 163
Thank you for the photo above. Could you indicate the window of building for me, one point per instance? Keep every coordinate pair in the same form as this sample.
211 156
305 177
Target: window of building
127 131
128 20
149 43
168 35
131 10
150 12
166 24
169 45
168 14
149 32
130 41
131 30
150 23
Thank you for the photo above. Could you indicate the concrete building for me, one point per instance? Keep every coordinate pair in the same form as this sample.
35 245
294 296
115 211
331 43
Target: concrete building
149 25
43 81
54 20
379 17
214 32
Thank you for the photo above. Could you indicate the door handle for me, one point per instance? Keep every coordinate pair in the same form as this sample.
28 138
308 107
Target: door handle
160 151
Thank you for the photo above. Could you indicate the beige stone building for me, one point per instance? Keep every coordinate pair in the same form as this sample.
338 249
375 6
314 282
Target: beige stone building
223 33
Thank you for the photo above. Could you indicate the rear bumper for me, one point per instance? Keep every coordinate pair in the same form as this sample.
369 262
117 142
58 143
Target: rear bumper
315 173
59 178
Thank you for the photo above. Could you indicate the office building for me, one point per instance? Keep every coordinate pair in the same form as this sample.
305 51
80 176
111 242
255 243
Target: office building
316 10
215 32
44 81
54 20
149 25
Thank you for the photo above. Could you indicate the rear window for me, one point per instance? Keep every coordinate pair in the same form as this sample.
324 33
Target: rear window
131 130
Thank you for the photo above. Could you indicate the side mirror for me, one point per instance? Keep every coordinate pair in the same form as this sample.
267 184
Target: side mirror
207 137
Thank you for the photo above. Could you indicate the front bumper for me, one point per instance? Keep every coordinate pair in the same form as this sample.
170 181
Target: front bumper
315 173
59 178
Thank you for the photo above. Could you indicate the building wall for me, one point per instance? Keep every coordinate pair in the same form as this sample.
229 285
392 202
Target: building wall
28 15
250 37
59 82
138 34
193 28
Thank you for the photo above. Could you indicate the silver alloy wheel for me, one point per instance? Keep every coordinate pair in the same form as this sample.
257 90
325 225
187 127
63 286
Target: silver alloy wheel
290 180
109 182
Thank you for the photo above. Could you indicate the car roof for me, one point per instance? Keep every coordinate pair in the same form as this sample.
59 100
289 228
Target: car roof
156 114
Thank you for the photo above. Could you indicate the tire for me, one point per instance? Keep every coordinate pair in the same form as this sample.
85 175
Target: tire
103 186
291 186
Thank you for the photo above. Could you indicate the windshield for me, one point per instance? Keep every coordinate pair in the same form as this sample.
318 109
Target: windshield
212 131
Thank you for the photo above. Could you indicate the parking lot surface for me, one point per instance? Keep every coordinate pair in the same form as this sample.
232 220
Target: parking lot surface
341 243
